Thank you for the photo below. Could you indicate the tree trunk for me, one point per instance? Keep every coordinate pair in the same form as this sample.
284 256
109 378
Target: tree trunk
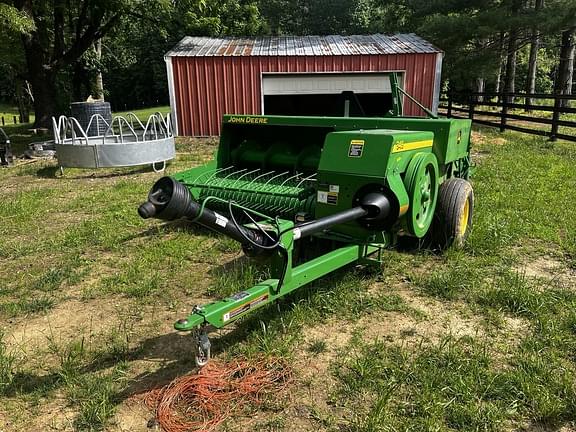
510 76
563 85
98 85
533 60
78 80
480 88
45 108
23 106
43 82
41 77
502 65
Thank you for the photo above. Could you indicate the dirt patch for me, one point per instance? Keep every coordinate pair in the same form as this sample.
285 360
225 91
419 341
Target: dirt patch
47 414
549 268
132 418
544 428
66 322
480 138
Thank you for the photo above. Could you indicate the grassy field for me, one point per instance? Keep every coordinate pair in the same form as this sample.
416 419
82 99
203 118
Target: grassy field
478 339
8 112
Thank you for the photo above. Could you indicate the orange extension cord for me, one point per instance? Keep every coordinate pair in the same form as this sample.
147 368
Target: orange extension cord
201 401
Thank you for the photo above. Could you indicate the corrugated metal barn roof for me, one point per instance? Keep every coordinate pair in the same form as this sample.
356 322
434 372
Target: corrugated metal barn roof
302 46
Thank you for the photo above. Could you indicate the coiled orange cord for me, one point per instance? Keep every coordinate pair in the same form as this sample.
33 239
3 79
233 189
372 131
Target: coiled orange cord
200 402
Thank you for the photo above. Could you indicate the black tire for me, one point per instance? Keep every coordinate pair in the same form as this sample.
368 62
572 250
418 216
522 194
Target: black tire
454 211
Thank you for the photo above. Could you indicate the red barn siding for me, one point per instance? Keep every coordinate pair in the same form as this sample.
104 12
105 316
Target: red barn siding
205 88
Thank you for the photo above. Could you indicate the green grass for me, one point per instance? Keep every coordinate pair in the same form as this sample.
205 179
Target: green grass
144 113
455 384
78 237
8 363
8 112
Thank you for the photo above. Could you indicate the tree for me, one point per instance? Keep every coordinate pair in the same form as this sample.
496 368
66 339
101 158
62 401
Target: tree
513 35
14 24
566 64
64 31
469 32
133 53
533 59
317 17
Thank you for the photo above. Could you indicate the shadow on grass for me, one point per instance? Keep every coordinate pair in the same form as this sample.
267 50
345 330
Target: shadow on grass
271 330
48 172
105 173
180 225
27 383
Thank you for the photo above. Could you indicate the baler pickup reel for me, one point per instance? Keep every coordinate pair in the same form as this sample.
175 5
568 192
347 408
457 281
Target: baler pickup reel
314 194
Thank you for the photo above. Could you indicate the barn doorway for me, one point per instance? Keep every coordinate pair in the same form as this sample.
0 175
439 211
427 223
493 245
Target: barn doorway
319 94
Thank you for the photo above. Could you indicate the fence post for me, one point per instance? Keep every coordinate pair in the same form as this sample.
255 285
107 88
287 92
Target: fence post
14 119
555 118
3 124
503 112
449 112
471 107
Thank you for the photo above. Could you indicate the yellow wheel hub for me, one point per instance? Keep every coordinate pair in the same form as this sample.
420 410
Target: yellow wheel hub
464 218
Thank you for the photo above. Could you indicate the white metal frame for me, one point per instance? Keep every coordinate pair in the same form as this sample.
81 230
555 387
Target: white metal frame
172 94
437 83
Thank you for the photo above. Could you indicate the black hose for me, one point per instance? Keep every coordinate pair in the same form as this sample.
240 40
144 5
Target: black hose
249 240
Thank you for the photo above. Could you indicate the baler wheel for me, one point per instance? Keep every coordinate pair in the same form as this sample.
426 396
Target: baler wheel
421 182
453 219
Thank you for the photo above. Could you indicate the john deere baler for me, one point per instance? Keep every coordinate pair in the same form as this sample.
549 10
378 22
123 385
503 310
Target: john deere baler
317 193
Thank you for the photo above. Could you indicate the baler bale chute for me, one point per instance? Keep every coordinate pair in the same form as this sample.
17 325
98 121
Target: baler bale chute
317 193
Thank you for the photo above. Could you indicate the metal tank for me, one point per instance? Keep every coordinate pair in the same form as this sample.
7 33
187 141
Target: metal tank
122 142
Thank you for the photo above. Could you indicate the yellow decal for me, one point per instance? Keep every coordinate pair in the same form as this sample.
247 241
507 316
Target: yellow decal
248 120
403 209
401 146
258 301
356 148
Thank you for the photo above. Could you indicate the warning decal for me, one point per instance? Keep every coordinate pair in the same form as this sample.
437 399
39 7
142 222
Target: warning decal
332 198
220 220
244 308
356 148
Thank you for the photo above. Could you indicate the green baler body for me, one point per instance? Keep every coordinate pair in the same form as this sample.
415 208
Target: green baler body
355 162
281 172
316 166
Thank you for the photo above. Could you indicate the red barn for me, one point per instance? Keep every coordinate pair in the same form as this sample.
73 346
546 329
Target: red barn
295 75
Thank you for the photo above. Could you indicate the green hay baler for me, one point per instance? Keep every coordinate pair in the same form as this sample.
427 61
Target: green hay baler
313 194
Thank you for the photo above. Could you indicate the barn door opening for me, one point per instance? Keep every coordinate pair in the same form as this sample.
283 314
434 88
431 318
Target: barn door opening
320 94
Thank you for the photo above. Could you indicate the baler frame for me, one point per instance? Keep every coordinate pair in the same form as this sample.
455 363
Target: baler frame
356 182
